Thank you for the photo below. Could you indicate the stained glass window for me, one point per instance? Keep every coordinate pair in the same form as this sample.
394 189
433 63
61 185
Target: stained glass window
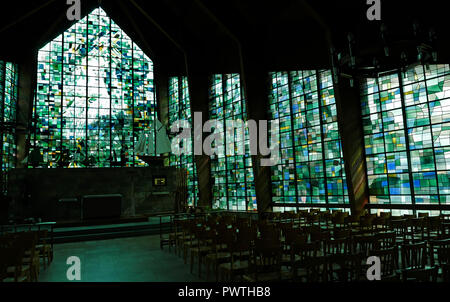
407 136
311 170
234 187
95 94
180 109
8 105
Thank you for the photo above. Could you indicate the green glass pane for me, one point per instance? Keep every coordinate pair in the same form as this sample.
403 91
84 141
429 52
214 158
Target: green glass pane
422 160
378 185
376 164
399 184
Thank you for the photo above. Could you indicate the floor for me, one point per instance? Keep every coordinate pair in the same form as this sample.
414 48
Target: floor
133 259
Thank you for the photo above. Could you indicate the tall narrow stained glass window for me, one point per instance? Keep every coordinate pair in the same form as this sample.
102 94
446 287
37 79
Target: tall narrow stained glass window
234 187
406 119
311 171
95 94
8 105
180 109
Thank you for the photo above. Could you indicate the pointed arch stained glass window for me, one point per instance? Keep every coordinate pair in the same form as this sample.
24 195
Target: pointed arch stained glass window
95 94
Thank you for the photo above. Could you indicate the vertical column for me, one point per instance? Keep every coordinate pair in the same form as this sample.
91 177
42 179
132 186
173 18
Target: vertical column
27 84
254 80
352 136
161 79
198 91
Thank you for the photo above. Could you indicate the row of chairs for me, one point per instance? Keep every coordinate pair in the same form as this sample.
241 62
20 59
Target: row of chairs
20 255
246 248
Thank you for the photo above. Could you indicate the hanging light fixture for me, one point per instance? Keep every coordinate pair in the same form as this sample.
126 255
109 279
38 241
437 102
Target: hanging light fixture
396 54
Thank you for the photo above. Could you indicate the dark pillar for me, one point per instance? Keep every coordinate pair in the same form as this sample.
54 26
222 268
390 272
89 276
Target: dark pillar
198 92
27 86
162 90
255 83
352 136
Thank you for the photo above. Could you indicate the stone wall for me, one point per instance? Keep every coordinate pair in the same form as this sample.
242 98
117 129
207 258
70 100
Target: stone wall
36 192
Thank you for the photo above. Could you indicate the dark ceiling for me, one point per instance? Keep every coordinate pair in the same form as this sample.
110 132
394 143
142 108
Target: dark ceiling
279 34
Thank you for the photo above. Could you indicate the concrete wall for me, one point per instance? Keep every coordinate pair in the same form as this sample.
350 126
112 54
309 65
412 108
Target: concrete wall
35 192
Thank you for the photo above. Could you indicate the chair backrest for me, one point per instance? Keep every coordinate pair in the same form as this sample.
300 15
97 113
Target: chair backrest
386 239
296 239
345 267
339 217
248 233
446 272
269 232
304 251
337 246
265 258
438 249
399 226
414 255
388 260
363 244
421 275
27 241
318 234
342 233
12 257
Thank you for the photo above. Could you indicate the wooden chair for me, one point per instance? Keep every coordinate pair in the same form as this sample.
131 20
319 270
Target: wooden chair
342 233
446 272
416 229
437 251
293 239
421 275
325 219
204 246
363 244
433 227
174 237
12 259
389 263
379 223
44 248
27 242
312 219
340 246
399 226
366 223
386 240
414 255
338 219
219 254
188 239
319 235
307 265
352 221
265 262
239 248
345 267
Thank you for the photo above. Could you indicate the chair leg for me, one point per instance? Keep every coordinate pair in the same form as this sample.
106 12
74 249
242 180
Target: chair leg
192 261
199 265
207 262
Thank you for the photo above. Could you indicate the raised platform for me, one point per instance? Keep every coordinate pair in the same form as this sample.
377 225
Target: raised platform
75 231
108 229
